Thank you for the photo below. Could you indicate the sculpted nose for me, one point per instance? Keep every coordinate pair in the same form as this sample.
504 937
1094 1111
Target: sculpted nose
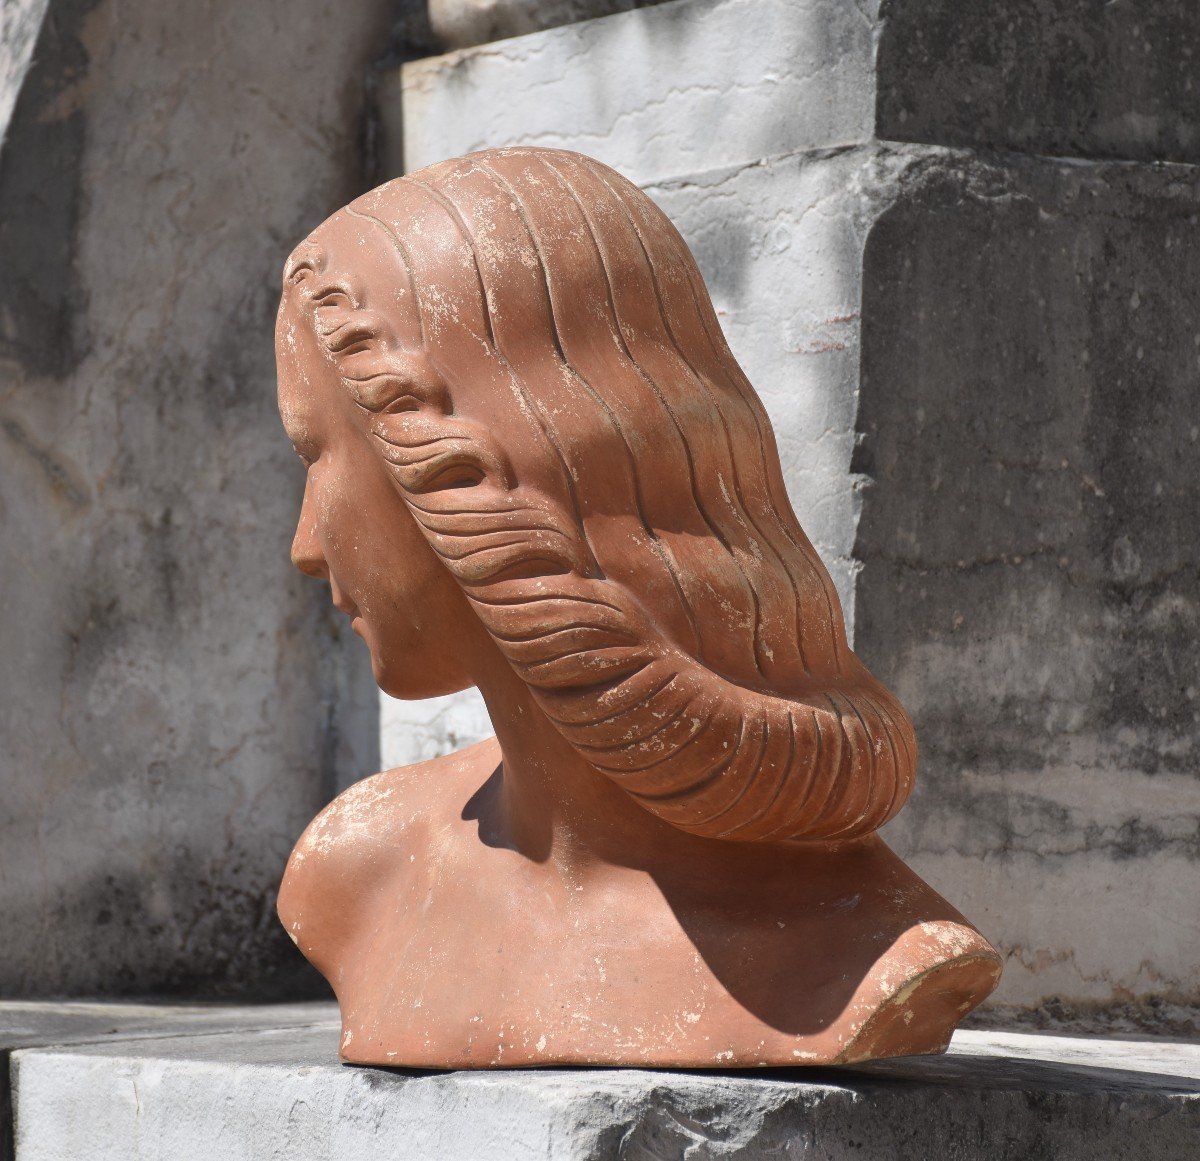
306 553
307 558
306 547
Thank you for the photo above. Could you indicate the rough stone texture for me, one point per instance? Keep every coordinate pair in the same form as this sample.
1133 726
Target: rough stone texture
459 23
279 1094
1015 340
1030 584
20 21
1083 78
29 1023
176 703
661 92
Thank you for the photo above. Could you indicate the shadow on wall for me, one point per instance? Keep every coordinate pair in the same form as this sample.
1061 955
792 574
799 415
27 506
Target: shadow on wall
1030 425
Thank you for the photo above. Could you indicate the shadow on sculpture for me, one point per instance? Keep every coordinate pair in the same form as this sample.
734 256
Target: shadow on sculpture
534 466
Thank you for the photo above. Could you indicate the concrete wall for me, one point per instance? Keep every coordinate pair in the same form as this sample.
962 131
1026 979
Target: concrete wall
1030 413
982 364
177 701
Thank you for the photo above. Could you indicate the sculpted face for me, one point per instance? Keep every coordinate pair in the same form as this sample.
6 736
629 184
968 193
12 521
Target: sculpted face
354 531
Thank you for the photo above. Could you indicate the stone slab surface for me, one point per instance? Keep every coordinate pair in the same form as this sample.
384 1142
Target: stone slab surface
38 1024
280 1093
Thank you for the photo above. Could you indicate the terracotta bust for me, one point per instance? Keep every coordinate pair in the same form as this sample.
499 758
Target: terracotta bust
534 466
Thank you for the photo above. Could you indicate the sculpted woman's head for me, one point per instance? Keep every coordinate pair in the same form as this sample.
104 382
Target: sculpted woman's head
525 434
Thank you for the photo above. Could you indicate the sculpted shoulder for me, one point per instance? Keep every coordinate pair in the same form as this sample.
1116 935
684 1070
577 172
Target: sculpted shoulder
361 844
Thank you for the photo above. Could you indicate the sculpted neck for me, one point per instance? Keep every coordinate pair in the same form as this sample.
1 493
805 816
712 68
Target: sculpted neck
547 802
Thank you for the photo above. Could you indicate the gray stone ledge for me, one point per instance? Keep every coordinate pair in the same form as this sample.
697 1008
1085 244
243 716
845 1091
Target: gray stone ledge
44 1023
281 1093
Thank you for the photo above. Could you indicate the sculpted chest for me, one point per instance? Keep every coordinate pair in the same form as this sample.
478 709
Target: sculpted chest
446 951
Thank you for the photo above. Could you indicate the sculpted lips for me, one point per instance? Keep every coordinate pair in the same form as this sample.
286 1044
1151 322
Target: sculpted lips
351 610
345 604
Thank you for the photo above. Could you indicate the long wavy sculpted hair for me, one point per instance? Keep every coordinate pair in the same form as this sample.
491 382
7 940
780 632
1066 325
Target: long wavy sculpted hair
583 453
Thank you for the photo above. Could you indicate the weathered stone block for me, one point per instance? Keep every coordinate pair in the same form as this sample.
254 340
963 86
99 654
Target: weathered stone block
698 84
660 92
280 1093
1030 583
1081 78
33 1024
